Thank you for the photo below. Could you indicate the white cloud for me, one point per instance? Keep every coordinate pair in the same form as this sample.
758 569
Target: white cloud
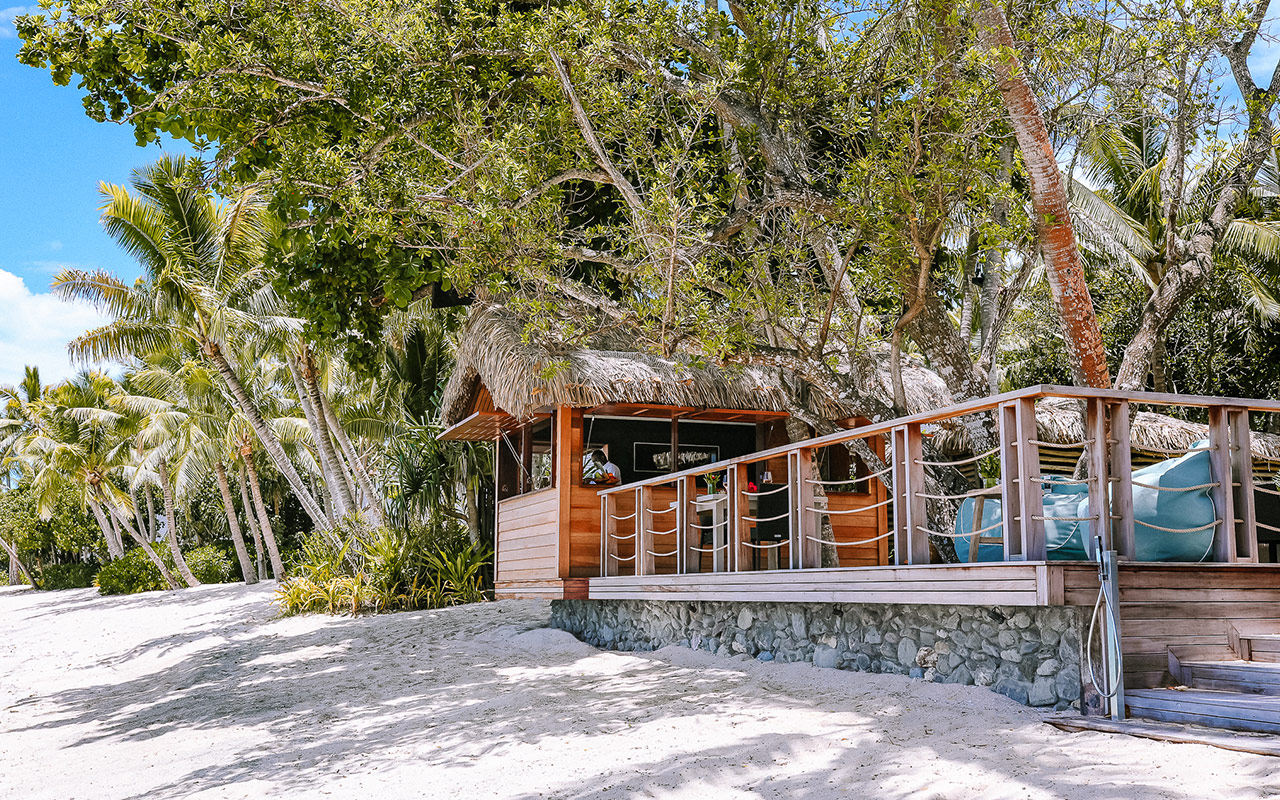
8 15
55 245
35 329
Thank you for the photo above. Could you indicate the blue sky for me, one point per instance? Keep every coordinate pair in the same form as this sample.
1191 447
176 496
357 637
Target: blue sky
54 157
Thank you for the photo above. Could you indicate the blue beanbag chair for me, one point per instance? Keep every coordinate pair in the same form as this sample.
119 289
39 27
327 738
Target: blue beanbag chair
1069 540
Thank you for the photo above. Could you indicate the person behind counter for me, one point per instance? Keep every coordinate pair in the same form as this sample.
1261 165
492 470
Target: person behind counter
599 469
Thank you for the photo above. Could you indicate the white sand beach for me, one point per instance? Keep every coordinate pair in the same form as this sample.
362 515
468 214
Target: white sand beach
206 694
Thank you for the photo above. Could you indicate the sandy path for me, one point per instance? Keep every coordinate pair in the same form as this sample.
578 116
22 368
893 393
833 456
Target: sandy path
204 694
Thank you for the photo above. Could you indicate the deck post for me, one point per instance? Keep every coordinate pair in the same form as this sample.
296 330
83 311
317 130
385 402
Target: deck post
1224 534
1099 480
1010 481
1030 495
909 513
681 518
1246 521
1122 527
645 564
689 536
805 549
736 483
608 543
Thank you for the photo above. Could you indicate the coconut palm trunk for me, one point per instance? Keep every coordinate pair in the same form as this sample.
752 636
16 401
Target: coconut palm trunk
303 373
258 548
101 517
137 511
171 526
152 527
275 451
357 464
15 564
1063 265
233 522
273 549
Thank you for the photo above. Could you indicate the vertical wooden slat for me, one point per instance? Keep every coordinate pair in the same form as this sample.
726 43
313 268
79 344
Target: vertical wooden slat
880 493
644 541
898 452
690 536
681 518
566 472
608 534
1224 535
1099 483
917 519
1010 481
745 555
1242 462
1030 497
1123 536
808 552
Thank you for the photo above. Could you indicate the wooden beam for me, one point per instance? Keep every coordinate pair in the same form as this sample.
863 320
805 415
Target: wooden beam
805 552
1123 536
1240 439
645 563
1224 535
1030 496
566 444
1011 481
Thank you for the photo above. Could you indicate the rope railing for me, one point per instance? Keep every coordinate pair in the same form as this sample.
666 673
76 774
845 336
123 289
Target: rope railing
990 527
632 515
859 479
959 462
1260 488
724 546
1196 529
710 527
1060 445
766 546
1057 479
622 558
652 532
1046 518
1197 488
990 491
783 515
661 555
1268 527
858 510
622 538
849 544
784 487
932 532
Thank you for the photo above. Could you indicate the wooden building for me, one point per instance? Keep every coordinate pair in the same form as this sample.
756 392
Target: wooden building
546 411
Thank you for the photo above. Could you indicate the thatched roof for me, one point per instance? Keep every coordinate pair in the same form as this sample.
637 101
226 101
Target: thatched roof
1059 420
523 377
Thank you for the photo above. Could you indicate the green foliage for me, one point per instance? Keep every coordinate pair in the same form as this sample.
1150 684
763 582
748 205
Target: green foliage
354 569
129 575
66 536
67 576
135 572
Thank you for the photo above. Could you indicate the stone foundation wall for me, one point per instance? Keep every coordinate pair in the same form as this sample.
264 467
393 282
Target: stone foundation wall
1030 654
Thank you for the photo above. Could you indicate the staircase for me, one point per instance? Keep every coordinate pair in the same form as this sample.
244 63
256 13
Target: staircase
1236 686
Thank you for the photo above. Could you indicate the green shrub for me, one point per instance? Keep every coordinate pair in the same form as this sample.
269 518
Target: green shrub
354 568
130 574
135 573
210 564
67 576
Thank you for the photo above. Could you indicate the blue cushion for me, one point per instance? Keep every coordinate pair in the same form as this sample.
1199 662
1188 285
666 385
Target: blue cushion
1069 540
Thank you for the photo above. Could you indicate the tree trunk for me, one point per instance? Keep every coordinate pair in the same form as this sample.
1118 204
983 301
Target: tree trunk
1063 265
273 549
154 529
101 516
233 521
171 526
16 566
275 451
335 475
357 464
137 511
258 548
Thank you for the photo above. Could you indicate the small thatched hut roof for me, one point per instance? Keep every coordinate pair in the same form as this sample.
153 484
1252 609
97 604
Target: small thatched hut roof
523 377
1059 420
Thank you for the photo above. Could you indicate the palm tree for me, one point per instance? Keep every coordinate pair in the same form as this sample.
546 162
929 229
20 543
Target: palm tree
83 444
1121 219
205 284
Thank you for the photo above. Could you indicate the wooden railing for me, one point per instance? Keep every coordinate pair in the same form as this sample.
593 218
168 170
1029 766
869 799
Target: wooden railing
683 522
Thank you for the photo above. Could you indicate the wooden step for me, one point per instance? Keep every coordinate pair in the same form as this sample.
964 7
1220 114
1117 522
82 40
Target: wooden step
1213 709
1245 677
1255 640
1179 655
